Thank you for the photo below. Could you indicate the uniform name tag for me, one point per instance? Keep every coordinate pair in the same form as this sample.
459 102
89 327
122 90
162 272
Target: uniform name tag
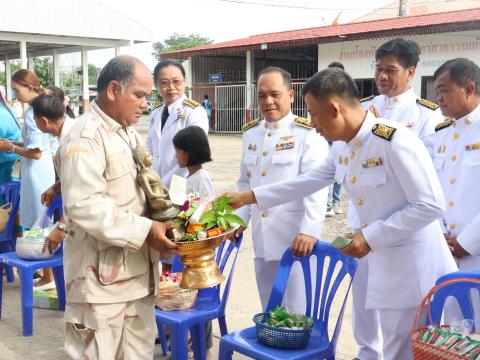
472 147
285 146
374 162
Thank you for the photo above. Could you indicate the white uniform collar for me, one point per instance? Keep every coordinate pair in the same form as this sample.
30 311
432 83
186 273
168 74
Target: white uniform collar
176 103
279 123
406 96
364 132
468 119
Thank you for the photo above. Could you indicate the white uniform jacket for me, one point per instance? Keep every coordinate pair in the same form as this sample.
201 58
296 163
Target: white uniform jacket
398 198
182 113
275 151
456 158
408 109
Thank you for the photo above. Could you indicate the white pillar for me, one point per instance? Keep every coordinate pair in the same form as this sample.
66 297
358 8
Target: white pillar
85 93
8 78
30 62
250 68
23 55
250 58
118 50
56 68
318 58
189 76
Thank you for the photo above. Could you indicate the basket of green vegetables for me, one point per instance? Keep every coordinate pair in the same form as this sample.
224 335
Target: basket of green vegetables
280 329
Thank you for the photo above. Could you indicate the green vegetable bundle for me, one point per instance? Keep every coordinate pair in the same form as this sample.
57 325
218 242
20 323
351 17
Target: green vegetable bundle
280 318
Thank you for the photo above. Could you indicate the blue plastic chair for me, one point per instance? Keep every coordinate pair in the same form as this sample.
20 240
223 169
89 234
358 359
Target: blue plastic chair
208 306
458 289
10 193
26 268
321 345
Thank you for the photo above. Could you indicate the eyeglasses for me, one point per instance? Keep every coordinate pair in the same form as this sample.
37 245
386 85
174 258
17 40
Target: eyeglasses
167 83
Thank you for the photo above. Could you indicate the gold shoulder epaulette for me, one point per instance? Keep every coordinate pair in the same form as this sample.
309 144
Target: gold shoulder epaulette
191 103
444 124
428 104
367 98
250 124
157 104
384 131
303 122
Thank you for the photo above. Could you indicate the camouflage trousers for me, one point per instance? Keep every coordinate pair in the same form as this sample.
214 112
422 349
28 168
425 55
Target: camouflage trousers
123 331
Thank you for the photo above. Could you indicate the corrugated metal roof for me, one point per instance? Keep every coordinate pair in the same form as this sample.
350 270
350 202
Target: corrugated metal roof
79 18
419 7
408 25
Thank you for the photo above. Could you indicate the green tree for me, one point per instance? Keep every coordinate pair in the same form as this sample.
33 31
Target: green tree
178 42
93 73
43 68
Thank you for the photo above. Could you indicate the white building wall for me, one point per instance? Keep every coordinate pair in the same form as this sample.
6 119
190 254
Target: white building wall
358 57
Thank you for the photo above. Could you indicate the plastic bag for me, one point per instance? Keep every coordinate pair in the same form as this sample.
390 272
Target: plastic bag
43 219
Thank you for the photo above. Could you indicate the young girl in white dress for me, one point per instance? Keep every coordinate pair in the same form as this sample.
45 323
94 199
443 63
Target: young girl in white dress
192 151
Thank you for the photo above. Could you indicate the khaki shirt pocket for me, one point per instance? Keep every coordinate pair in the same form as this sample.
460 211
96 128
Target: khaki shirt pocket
117 264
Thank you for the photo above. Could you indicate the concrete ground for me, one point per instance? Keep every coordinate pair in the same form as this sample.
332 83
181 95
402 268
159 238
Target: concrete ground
47 340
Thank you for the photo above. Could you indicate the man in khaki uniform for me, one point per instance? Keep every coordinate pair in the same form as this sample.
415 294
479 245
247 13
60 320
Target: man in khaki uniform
110 257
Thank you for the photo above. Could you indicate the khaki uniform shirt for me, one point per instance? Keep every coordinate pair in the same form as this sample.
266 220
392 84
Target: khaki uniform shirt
106 258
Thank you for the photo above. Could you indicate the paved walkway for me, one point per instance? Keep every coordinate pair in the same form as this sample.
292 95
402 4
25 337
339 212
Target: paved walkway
47 341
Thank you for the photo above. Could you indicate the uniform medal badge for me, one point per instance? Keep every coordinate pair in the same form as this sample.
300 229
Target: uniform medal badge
252 147
287 138
285 145
370 163
181 114
472 147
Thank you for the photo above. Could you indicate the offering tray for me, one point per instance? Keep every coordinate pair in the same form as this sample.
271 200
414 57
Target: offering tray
198 256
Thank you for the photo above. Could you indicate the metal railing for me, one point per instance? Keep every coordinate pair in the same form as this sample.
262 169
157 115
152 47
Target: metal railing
235 105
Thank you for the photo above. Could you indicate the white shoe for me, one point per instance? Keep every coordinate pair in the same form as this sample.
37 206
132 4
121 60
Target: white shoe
49 286
337 209
329 212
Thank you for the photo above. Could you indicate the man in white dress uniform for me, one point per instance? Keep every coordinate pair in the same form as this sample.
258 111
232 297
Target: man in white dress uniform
396 62
390 178
456 156
278 147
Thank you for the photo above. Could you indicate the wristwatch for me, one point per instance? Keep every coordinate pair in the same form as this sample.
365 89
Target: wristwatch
61 226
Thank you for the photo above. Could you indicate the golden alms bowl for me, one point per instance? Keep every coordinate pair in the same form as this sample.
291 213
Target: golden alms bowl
201 271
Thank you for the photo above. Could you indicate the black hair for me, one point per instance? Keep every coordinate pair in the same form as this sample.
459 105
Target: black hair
120 68
48 106
332 82
56 91
194 142
407 52
461 71
287 77
336 64
165 63
205 96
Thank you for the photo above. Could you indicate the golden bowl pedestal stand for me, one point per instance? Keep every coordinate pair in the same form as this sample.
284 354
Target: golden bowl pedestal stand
201 271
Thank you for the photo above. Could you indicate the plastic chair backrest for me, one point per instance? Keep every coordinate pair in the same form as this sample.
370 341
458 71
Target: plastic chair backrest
10 192
223 253
56 205
324 291
459 290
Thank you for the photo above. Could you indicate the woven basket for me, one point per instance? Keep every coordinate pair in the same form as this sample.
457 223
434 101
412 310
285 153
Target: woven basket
423 351
278 337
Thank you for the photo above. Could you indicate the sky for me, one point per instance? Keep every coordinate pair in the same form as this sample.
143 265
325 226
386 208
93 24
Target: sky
222 20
